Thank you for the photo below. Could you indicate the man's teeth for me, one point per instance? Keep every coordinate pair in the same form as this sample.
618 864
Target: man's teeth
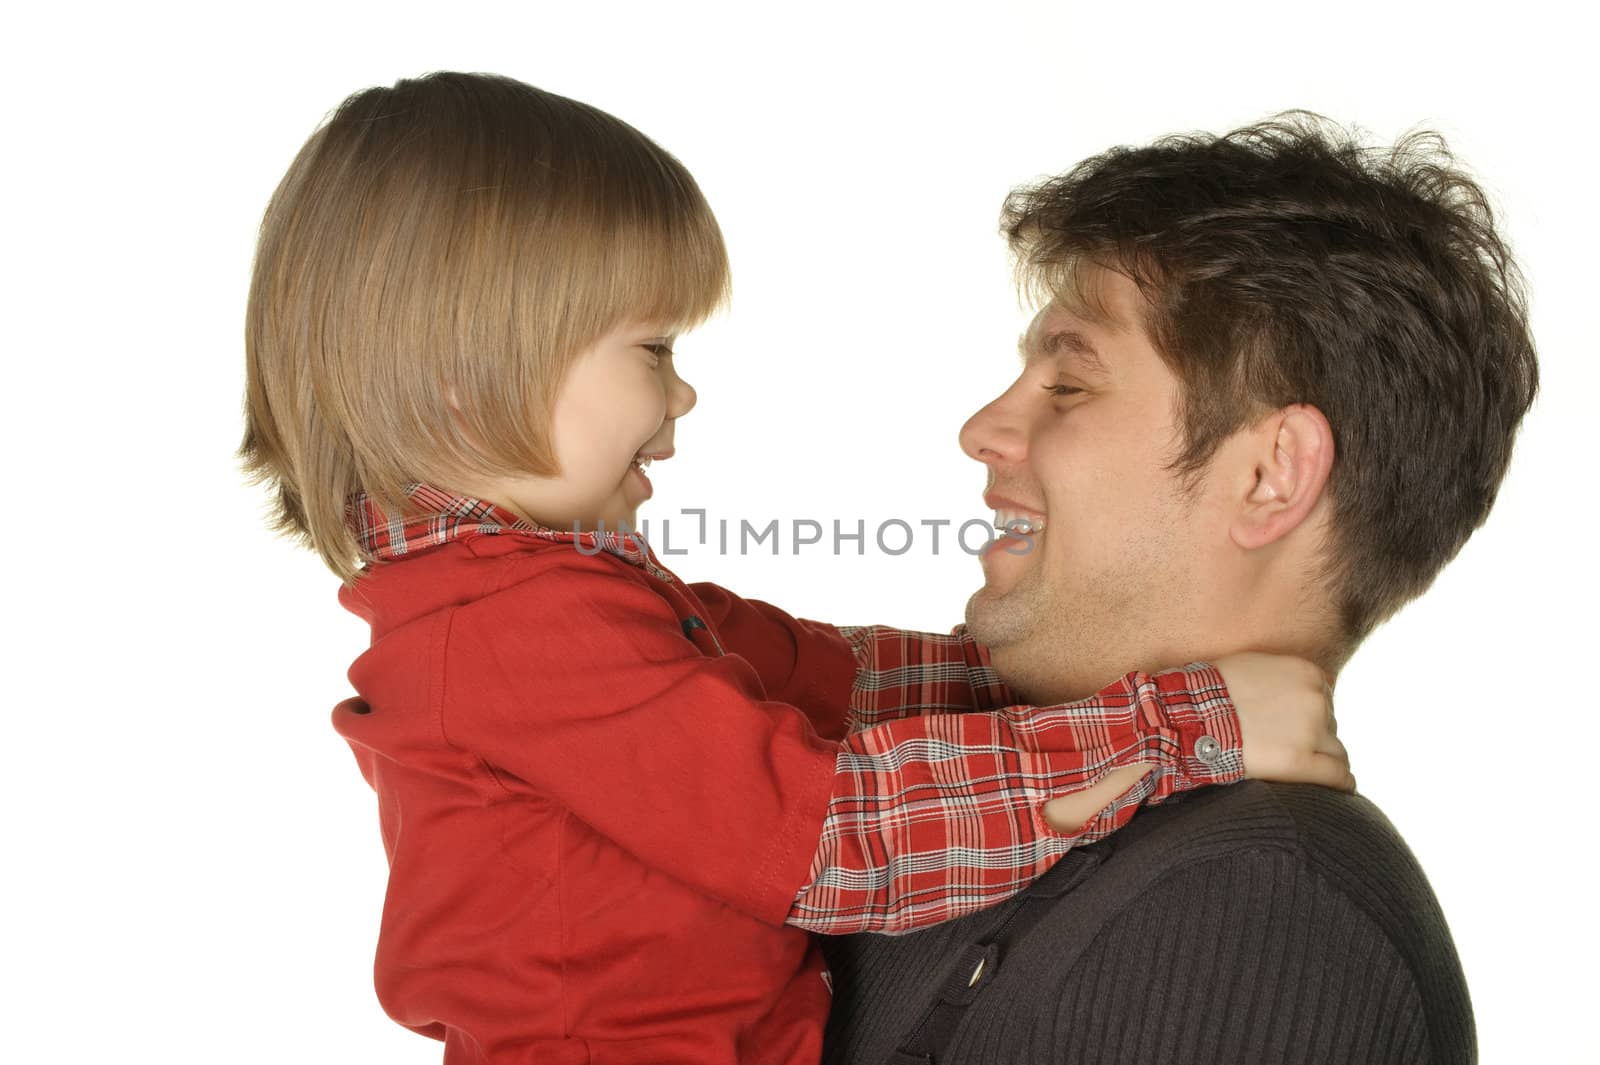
1015 521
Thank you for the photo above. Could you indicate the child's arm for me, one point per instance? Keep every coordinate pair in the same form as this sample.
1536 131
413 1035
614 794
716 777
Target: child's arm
1186 721
900 673
936 816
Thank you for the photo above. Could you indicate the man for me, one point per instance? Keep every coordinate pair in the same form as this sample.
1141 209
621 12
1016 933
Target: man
1272 390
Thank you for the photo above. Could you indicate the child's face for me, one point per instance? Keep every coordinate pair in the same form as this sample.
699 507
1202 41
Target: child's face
617 406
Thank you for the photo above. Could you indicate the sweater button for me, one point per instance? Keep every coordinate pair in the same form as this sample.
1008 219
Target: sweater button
1208 750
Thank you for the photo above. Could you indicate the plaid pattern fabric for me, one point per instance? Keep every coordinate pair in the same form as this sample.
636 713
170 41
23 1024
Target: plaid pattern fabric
937 815
442 517
919 672
938 791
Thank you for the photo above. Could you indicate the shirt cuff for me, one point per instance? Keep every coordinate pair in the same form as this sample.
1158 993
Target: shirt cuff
1200 711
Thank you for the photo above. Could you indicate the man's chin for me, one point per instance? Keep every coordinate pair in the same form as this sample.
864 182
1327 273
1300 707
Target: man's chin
993 621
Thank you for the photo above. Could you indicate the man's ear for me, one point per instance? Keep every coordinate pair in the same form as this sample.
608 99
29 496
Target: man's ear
1293 449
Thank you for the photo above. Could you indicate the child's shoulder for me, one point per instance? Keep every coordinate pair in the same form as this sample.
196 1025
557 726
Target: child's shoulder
573 604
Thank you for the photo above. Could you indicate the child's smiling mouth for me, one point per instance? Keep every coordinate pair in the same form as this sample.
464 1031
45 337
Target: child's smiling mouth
642 461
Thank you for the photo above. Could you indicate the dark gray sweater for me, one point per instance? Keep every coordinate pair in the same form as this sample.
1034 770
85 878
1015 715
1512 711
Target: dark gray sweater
1249 923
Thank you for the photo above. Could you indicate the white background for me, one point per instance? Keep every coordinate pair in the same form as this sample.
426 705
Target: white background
195 868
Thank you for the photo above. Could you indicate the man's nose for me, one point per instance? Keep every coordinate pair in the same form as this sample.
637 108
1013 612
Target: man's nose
995 434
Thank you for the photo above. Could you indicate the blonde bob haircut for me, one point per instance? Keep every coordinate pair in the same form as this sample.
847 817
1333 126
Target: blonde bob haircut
457 233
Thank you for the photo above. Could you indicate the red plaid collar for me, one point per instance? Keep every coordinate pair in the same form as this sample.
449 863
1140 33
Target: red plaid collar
444 517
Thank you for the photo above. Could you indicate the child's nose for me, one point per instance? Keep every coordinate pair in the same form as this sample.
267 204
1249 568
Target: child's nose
681 397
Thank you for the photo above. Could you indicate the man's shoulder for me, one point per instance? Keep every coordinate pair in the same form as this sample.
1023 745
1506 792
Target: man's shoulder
1264 904
1302 835
1343 837
1344 840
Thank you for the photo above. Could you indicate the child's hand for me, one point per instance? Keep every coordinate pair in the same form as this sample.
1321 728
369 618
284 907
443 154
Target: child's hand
1285 709
1285 719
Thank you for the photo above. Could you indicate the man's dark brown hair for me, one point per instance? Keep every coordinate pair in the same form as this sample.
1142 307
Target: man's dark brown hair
1286 262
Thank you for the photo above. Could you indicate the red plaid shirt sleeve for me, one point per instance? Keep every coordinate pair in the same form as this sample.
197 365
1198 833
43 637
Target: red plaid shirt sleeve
936 815
900 672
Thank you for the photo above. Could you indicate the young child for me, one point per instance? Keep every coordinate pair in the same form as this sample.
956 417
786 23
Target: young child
615 804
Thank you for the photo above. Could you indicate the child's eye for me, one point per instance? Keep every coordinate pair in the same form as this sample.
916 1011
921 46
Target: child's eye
658 350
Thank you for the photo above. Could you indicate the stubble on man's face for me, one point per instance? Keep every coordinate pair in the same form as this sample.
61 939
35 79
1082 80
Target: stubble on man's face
1005 622
1002 619
1070 625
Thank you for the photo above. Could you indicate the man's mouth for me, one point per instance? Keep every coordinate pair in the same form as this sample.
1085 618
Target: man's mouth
1018 522
1014 518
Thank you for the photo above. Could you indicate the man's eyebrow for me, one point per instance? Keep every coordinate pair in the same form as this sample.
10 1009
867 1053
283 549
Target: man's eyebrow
1067 342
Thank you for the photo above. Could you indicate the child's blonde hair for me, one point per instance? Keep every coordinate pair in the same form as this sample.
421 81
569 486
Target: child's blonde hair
462 233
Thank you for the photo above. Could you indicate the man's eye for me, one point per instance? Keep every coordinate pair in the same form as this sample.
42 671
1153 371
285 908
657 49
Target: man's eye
1061 390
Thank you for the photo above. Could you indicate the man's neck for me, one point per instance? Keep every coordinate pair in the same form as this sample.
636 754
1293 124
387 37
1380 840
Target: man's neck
1044 676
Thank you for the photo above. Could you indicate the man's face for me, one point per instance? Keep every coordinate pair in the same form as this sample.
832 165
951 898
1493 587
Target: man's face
1078 444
